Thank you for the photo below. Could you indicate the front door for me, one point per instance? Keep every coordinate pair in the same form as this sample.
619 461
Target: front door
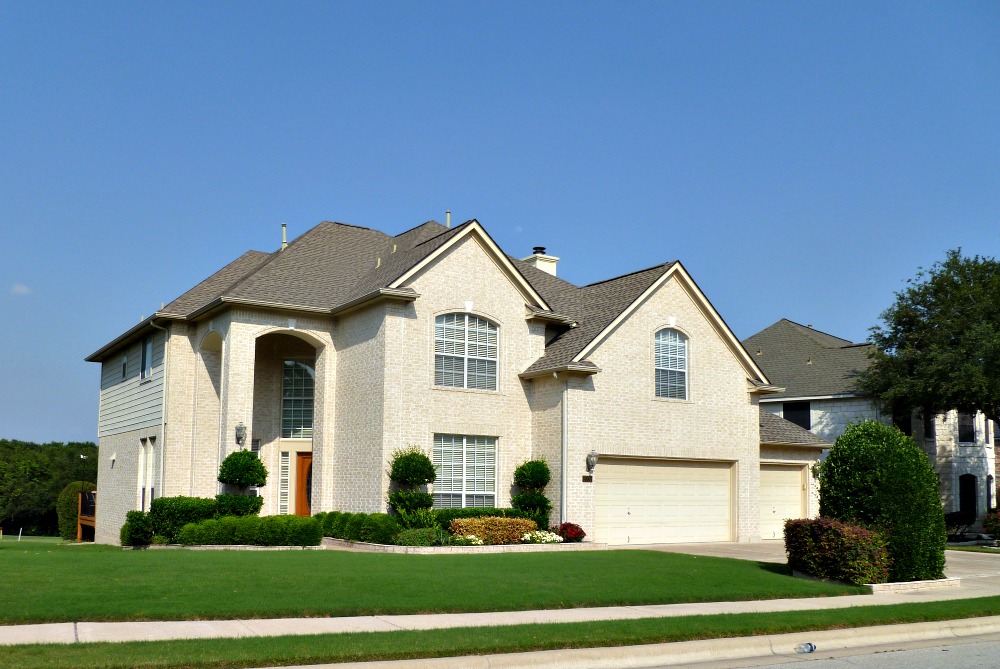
303 484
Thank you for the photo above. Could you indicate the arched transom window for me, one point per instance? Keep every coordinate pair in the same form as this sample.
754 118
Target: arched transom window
671 364
465 352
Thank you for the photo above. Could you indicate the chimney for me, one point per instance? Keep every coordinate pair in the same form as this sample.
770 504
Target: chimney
284 237
539 260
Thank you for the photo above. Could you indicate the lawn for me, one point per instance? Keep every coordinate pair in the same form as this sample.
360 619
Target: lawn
46 582
975 549
328 648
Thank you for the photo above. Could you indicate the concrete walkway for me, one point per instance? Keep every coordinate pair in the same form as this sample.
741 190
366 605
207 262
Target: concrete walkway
979 573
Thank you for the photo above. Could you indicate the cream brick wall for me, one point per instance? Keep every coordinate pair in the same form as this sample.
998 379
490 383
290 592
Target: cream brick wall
802 456
615 412
545 398
118 489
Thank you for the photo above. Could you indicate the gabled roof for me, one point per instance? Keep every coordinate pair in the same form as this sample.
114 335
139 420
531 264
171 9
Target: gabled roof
807 362
777 431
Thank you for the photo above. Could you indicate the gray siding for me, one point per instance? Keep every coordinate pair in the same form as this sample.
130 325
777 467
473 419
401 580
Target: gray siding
131 404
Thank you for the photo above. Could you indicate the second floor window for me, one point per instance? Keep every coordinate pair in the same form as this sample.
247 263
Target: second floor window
147 358
297 389
671 364
465 352
966 428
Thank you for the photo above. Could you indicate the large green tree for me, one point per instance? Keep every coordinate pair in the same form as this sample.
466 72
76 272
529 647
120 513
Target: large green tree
939 345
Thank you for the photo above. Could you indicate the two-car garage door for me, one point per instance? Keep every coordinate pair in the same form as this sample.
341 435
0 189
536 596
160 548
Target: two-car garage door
662 501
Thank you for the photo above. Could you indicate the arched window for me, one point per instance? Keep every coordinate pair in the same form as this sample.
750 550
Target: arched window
465 352
671 364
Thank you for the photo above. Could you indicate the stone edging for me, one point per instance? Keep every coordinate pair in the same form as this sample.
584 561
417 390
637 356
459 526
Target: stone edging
360 546
220 547
899 586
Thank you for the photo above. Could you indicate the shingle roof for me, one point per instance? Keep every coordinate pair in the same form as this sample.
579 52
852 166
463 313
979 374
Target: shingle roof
215 285
776 430
807 362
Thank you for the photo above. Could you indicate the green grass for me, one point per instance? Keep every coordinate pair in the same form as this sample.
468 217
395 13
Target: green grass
328 648
94 583
975 549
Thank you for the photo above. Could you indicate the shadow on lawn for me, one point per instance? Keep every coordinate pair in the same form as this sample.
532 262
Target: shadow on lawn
775 568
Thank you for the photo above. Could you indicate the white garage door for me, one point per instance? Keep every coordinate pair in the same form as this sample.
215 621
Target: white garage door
662 501
781 497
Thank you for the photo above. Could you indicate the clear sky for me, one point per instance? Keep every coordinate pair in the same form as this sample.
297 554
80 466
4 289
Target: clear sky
802 159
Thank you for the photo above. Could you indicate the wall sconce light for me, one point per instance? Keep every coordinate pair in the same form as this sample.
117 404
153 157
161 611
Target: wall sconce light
591 462
241 433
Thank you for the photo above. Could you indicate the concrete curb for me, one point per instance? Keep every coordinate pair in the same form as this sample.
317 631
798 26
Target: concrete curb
363 547
709 650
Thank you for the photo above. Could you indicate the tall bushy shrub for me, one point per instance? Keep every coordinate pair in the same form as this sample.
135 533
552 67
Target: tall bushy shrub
879 478
411 470
168 515
827 548
243 469
67 505
137 530
532 477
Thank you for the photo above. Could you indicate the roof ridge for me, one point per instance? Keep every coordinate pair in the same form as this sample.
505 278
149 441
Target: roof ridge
664 265
419 225
346 225
809 329
443 232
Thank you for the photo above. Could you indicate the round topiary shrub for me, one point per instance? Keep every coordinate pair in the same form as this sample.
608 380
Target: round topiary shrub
137 530
238 505
243 469
67 506
532 475
408 501
532 502
410 470
879 478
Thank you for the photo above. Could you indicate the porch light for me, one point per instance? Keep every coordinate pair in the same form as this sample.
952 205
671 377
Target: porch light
591 462
241 433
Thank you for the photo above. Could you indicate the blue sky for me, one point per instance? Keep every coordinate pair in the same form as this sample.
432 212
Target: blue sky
801 159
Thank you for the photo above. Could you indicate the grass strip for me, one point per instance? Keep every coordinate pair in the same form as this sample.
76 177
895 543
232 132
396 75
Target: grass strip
356 647
56 583
975 549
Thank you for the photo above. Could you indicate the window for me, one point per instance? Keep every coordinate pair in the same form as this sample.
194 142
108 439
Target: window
904 421
466 471
798 413
124 366
996 435
465 352
671 364
928 425
966 428
986 430
146 369
283 483
297 389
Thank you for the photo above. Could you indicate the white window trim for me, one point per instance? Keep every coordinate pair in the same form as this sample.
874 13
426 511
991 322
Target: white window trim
465 356
146 359
467 490
687 364
281 407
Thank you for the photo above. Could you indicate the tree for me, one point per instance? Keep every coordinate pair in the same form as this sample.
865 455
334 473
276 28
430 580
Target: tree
879 478
939 346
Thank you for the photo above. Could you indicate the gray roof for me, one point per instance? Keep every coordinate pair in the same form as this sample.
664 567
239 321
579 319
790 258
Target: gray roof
778 431
807 362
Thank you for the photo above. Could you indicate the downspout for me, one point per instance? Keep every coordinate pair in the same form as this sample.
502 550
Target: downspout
163 404
564 474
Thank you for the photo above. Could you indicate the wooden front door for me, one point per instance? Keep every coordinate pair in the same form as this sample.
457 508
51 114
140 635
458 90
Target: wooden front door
303 484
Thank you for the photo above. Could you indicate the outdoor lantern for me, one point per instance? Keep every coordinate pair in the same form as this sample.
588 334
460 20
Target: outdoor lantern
241 433
591 462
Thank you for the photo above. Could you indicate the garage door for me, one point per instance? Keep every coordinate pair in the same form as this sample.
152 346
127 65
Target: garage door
781 497
662 501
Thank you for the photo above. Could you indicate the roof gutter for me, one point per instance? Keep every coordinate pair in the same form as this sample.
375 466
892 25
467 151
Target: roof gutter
569 368
128 335
280 306
403 294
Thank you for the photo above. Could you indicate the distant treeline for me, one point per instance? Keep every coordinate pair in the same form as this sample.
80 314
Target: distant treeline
31 478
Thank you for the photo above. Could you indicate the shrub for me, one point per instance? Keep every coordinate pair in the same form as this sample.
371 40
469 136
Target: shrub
408 501
243 469
877 477
238 505
67 505
532 502
196 534
137 530
423 536
827 548
541 537
328 521
352 529
379 528
169 514
532 475
571 532
957 523
273 531
445 516
253 530
304 531
411 467
991 523
337 525
493 529
419 518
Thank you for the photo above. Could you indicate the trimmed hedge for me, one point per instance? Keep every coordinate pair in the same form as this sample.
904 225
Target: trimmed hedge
238 505
423 536
253 531
379 528
446 516
167 515
493 529
827 548
328 520
352 528
532 475
137 530
67 505
408 501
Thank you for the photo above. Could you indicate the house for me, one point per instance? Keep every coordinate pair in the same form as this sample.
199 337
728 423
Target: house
329 354
818 372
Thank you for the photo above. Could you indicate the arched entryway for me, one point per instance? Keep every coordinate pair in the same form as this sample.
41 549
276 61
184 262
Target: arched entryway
968 494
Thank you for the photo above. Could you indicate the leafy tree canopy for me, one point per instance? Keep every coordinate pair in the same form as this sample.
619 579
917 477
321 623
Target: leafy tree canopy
939 345
32 476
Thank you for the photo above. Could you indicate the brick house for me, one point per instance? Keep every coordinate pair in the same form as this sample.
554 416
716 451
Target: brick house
326 356
817 372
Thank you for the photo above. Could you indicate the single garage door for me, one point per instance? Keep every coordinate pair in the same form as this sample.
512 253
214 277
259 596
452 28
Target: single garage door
782 496
662 501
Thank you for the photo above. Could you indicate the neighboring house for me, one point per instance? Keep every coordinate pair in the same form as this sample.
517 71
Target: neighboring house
328 355
818 373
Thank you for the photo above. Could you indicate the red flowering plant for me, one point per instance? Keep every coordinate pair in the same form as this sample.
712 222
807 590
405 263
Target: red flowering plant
571 532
